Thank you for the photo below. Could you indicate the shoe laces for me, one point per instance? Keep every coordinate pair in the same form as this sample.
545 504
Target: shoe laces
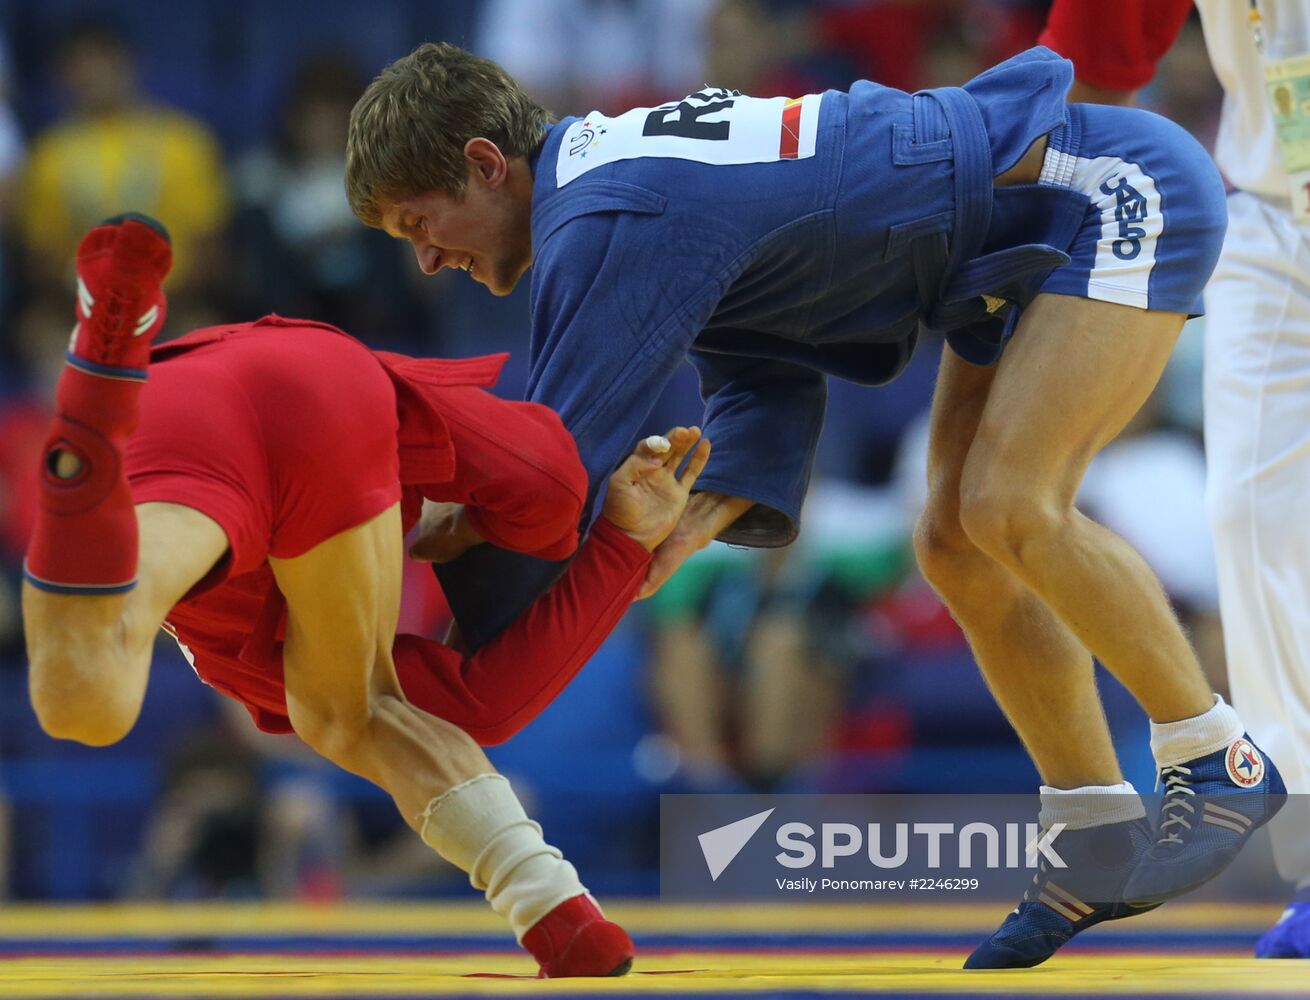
1178 790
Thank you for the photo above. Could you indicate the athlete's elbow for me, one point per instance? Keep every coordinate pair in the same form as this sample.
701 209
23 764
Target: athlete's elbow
555 519
558 538
560 483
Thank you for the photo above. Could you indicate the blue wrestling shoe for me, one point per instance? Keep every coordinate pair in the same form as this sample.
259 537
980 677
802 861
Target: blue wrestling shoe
1211 806
1063 902
1290 937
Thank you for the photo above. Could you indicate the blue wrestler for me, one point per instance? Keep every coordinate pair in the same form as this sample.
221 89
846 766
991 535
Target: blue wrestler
777 242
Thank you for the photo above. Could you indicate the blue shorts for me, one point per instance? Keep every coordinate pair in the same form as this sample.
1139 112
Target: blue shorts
1156 215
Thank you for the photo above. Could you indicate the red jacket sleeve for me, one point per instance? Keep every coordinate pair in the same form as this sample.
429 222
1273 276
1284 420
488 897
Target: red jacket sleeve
498 690
1114 44
517 471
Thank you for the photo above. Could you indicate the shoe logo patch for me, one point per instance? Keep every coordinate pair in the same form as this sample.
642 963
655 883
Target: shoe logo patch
147 320
85 300
1246 768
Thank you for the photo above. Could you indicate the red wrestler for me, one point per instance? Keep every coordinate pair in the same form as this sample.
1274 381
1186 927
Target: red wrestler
252 498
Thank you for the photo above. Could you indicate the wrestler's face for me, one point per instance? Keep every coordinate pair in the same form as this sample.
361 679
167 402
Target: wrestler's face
485 230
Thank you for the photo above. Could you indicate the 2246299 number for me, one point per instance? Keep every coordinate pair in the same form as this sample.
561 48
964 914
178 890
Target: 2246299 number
949 884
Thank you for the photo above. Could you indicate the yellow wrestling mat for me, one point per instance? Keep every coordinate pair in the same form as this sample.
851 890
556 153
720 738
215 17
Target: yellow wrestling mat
428 950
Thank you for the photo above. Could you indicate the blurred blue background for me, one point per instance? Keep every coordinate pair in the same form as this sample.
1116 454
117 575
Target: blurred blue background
826 667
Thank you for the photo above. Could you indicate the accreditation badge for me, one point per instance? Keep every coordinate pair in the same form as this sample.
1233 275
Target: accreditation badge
1287 81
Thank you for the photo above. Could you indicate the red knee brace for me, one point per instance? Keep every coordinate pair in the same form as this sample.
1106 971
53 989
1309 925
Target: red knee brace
85 539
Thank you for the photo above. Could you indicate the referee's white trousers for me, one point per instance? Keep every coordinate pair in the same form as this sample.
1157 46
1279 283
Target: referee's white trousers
1257 435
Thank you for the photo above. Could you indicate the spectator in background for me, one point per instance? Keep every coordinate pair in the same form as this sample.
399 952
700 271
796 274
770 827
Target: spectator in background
770 47
755 652
909 44
606 54
202 839
115 150
741 682
760 48
246 813
300 250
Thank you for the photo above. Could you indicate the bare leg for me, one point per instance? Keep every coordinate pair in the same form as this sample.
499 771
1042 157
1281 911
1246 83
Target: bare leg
688 687
343 696
345 701
1038 671
1075 374
792 698
90 655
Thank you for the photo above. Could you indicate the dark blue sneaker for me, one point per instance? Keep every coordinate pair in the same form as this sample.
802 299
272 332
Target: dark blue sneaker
1063 902
1290 937
1211 807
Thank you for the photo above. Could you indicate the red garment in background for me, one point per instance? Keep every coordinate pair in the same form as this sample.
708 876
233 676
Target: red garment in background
24 427
890 41
886 40
1115 44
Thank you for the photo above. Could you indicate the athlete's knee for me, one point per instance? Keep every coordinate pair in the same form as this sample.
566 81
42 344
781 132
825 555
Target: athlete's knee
87 700
338 732
945 553
1007 522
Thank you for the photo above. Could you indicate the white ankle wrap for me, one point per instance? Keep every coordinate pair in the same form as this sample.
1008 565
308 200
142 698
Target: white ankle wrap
480 827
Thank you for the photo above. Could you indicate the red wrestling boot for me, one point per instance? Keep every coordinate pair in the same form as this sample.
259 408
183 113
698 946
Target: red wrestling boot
121 266
85 539
575 939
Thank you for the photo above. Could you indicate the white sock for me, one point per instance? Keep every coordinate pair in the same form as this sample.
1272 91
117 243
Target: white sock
1187 739
480 826
1089 806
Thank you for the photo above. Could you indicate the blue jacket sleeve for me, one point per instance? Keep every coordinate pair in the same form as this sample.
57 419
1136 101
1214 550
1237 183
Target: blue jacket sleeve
764 418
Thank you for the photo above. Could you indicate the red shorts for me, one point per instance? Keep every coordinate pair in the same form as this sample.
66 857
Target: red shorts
285 434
